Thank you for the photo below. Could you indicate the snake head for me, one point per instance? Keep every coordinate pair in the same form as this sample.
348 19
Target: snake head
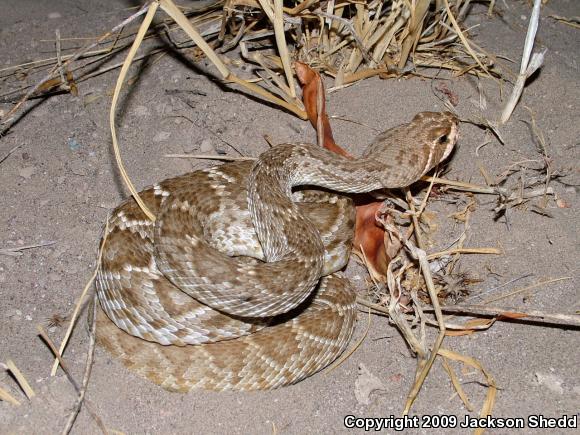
439 132
409 151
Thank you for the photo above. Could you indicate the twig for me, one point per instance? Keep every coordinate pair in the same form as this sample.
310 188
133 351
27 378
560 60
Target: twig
509 313
86 376
79 53
21 379
58 57
381 310
515 292
479 295
7 397
10 152
420 255
71 379
572 22
15 252
75 313
492 388
467 187
492 251
278 22
209 157
169 7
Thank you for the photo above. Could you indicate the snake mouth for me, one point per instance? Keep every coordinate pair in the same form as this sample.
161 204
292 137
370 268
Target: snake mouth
452 137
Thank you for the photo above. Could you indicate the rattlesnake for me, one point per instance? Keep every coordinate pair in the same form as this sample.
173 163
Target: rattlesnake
236 286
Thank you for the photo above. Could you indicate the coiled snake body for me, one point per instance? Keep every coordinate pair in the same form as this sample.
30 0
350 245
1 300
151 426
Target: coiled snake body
236 286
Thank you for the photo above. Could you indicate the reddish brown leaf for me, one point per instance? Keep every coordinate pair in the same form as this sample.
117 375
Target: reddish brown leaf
369 237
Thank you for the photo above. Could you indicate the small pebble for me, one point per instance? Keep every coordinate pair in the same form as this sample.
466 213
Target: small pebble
54 15
14 314
27 172
551 382
206 147
73 144
161 136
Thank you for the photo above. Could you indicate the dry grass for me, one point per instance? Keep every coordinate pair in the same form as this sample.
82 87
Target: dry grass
348 40
405 301
408 273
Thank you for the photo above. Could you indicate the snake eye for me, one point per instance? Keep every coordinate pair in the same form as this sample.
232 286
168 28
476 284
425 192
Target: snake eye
442 139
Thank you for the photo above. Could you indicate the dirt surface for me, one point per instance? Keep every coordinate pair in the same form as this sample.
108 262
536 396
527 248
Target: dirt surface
61 182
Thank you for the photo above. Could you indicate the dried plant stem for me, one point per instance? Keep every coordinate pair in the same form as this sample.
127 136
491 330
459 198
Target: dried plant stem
124 69
74 57
72 380
282 47
467 187
492 388
508 313
173 11
16 251
403 326
7 397
5 156
350 27
86 377
515 292
424 366
209 157
491 251
381 310
425 199
268 96
464 39
21 379
75 313
527 66
457 385
58 56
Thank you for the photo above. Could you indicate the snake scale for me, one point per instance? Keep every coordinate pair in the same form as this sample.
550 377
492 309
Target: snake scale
237 284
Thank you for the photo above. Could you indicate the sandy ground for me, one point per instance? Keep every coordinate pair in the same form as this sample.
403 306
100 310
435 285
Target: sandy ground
61 182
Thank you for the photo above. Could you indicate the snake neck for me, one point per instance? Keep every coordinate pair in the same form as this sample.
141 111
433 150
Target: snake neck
280 227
